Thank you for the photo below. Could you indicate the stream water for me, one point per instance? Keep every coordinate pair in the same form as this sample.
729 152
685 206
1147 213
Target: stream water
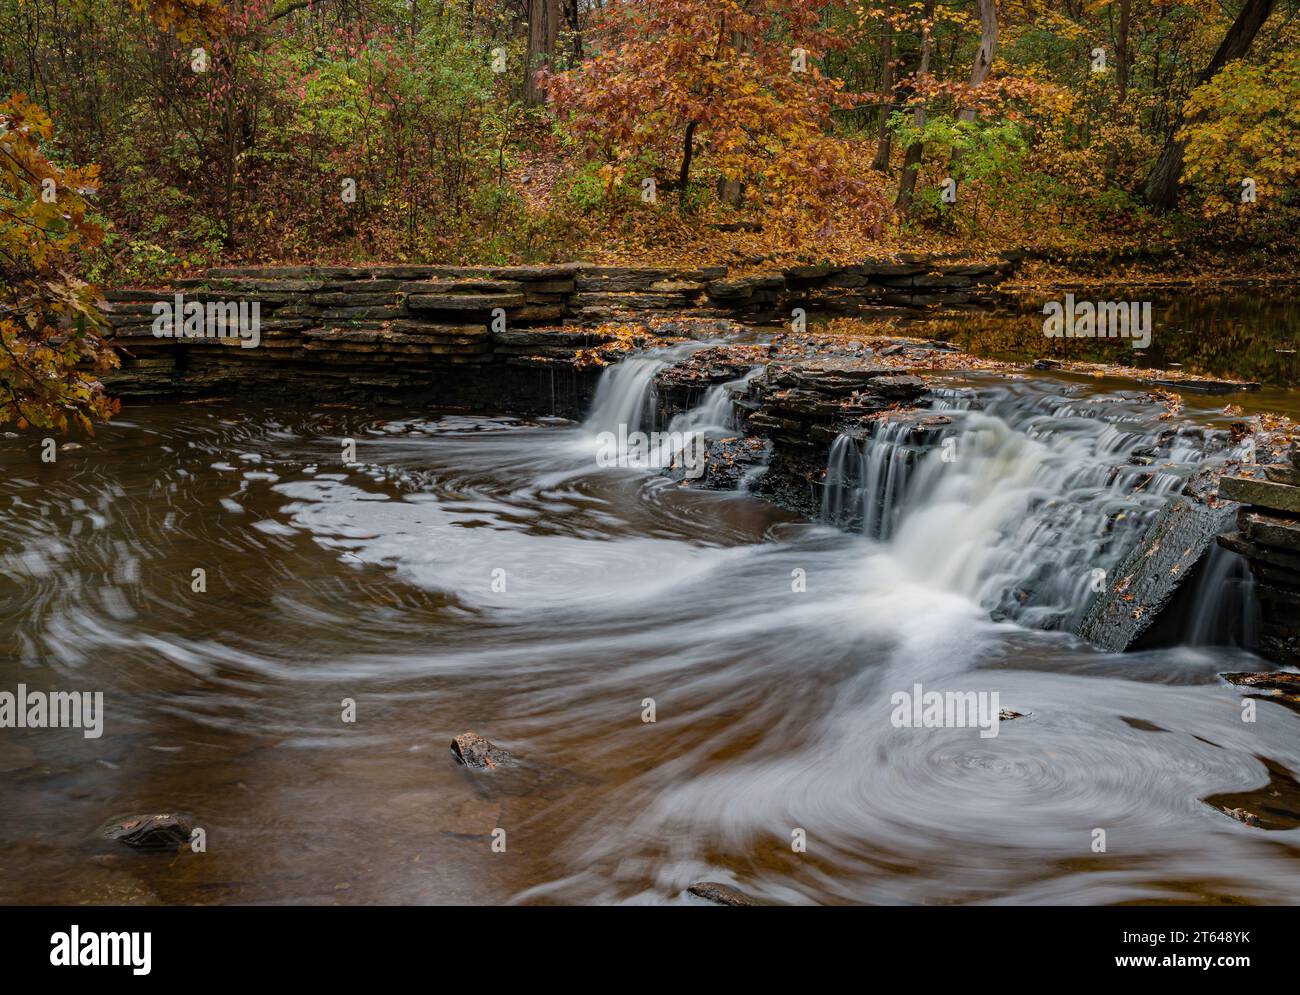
484 573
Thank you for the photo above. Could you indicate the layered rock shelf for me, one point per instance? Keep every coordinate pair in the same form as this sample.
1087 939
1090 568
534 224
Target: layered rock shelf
435 329
1268 536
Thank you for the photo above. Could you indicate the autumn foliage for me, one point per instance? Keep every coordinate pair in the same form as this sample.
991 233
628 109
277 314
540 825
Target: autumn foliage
51 349
775 131
48 316
735 87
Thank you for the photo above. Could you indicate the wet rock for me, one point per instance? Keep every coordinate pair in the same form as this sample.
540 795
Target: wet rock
727 462
472 750
493 773
899 387
707 367
14 757
1241 815
1006 715
1261 494
721 894
1277 683
1280 680
1275 806
151 832
1144 582
745 289
1142 725
1204 386
1283 474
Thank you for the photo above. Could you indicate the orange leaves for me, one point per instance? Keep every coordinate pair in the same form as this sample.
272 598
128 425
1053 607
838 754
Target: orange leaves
188 19
47 316
49 319
723 92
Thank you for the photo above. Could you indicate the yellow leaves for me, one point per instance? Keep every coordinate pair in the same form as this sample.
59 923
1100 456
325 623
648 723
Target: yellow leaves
1236 131
42 223
188 19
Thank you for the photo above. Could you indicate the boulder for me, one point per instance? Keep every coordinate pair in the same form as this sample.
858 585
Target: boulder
473 750
721 894
151 832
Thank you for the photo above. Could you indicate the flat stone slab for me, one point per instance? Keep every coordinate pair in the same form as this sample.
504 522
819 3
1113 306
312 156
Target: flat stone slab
1261 493
1269 530
469 286
550 337
1144 582
745 287
463 302
1283 474
1238 543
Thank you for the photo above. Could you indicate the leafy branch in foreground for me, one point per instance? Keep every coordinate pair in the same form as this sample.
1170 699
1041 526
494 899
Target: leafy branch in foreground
51 351
48 317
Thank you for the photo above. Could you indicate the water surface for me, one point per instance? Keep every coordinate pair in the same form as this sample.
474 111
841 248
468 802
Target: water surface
478 572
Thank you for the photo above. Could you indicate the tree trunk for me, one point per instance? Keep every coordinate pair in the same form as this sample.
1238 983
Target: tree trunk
884 139
984 57
1161 187
572 16
1122 56
688 151
912 161
543 30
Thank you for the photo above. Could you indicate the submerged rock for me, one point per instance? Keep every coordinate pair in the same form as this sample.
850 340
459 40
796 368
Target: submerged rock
1275 806
1241 815
472 750
1281 686
494 774
721 894
151 832
1278 682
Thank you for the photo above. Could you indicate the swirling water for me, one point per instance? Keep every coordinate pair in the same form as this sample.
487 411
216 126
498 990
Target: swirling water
484 573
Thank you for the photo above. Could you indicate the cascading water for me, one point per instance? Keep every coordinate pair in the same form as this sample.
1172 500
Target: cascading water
625 403
1019 499
625 394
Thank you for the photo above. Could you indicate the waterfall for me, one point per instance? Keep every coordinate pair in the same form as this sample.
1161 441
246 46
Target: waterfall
625 395
1014 498
626 399
1222 610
